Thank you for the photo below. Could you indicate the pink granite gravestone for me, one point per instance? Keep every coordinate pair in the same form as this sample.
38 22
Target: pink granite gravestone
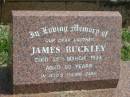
65 50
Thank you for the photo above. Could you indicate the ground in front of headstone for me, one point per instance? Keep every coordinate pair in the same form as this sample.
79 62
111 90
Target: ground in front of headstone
82 93
123 89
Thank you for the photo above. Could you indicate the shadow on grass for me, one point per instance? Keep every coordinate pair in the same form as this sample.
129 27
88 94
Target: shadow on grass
5 83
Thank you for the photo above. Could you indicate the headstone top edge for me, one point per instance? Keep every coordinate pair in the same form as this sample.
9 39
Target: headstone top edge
66 13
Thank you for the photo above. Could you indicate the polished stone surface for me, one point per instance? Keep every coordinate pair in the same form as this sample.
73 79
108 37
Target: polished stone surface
65 50
122 89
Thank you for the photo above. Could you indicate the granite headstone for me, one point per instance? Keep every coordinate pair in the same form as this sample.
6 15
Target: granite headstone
65 50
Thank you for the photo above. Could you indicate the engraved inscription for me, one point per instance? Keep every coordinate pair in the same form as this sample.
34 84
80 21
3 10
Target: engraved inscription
40 53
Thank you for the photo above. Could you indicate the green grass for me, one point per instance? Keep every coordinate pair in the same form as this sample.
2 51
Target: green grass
4 44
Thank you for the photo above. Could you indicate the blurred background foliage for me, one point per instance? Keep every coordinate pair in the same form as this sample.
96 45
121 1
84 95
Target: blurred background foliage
4 44
125 51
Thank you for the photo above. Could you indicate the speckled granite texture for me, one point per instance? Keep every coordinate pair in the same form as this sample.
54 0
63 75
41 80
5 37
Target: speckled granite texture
122 89
31 76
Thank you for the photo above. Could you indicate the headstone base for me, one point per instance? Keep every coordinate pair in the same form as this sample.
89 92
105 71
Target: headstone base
65 86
